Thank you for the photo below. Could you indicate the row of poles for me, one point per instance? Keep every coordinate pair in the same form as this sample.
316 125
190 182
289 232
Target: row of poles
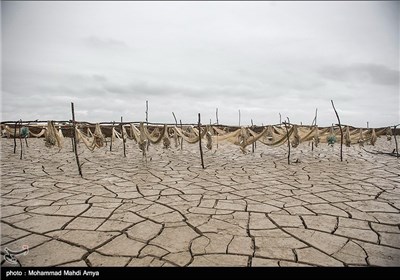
285 123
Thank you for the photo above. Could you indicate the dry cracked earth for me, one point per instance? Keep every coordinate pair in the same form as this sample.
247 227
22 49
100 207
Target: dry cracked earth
242 210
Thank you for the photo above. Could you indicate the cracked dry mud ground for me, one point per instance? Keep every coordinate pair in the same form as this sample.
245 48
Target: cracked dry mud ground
242 210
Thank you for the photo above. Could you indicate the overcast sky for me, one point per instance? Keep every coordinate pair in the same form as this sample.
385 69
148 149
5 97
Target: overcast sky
192 57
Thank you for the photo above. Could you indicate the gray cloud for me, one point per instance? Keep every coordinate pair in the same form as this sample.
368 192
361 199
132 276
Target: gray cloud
97 42
361 73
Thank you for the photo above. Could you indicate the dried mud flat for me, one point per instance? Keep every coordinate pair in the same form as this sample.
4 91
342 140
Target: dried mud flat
242 210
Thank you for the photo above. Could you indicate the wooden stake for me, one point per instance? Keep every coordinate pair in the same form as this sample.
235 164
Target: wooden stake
176 122
181 137
20 138
253 144
216 115
239 117
147 111
72 138
395 140
15 140
26 138
112 134
201 149
288 140
280 118
123 139
314 122
147 122
341 132
74 134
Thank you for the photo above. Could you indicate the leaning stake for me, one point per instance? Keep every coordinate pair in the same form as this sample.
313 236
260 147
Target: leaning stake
288 140
341 132
123 139
15 140
74 135
20 137
201 150
395 140
112 135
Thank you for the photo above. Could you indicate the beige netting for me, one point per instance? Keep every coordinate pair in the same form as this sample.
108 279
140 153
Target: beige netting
191 137
277 136
176 138
6 130
52 137
38 135
373 137
271 135
98 136
135 133
389 134
361 138
296 138
156 135
209 140
142 140
347 139
316 138
9 132
91 140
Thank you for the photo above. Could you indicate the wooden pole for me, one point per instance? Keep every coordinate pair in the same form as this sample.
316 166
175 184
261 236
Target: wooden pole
15 140
72 138
26 138
341 132
147 122
253 144
288 140
216 115
280 118
367 125
395 140
314 123
181 137
239 117
20 138
123 139
316 116
176 122
111 142
147 111
74 134
201 149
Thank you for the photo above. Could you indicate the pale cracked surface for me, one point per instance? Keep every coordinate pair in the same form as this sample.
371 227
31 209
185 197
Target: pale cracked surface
242 210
